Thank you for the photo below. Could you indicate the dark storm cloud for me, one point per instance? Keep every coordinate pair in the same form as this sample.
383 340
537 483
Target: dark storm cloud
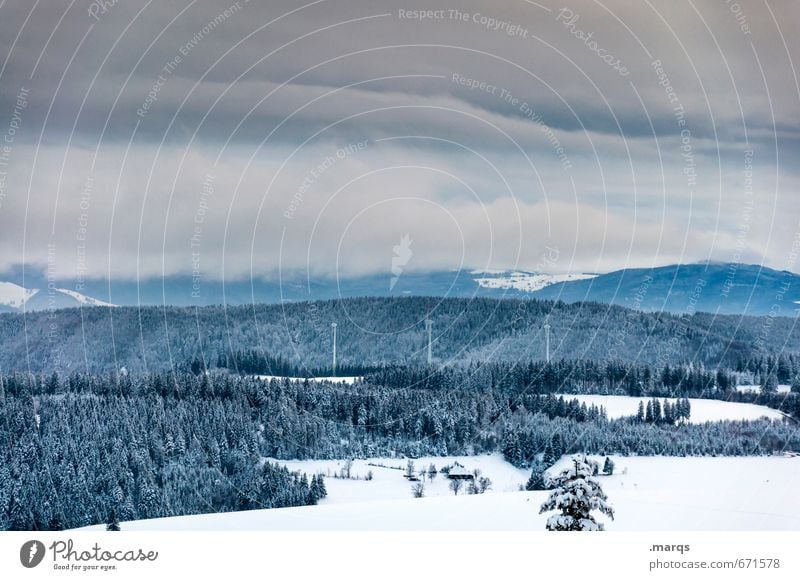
575 104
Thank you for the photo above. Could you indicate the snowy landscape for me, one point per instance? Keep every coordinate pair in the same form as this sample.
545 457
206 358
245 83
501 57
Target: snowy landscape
647 493
279 279
703 410
15 298
403 446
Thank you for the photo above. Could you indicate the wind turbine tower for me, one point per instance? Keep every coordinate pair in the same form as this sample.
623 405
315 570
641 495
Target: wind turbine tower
333 329
547 342
429 327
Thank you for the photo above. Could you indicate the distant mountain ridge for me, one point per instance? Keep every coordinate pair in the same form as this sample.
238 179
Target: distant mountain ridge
724 288
16 298
376 331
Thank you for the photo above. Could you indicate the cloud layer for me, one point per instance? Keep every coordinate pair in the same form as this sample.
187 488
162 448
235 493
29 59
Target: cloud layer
144 139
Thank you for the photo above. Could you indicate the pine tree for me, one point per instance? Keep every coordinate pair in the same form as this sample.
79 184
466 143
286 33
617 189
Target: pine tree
112 525
770 383
318 483
512 450
669 413
657 416
576 495
536 480
549 458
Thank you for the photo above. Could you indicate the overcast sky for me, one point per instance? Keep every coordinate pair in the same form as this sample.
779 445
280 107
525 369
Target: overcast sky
143 139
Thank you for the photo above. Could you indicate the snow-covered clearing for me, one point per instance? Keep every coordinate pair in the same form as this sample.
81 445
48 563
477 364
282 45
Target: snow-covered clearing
526 281
83 299
647 493
781 389
341 380
13 295
388 481
702 409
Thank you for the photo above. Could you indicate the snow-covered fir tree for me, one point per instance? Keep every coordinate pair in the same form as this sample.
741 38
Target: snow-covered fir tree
576 495
536 480
112 525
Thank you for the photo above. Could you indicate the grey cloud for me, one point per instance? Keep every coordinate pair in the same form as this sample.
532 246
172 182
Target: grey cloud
632 200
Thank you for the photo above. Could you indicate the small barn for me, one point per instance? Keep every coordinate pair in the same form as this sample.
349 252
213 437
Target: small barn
458 471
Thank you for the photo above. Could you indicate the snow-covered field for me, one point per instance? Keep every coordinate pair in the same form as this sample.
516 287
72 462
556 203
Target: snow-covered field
83 299
341 380
702 409
526 281
388 481
648 493
782 389
13 295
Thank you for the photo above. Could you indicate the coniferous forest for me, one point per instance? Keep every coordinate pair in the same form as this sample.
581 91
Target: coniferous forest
377 332
83 449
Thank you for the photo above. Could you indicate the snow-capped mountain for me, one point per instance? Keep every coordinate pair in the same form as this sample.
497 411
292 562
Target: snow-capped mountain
722 288
524 281
15 298
680 288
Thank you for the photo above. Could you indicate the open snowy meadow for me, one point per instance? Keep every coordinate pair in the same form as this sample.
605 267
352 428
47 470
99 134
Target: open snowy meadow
702 409
647 493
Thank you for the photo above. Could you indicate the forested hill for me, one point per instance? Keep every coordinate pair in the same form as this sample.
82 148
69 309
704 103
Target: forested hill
377 331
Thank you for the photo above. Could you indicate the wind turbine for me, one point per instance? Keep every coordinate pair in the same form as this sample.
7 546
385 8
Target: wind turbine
333 329
429 327
547 341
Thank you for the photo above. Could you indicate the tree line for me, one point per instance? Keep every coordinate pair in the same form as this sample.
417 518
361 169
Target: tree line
85 449
379 331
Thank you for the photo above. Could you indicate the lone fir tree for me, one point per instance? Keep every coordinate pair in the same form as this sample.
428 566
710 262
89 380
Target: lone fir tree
576 495
112 523
536 480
